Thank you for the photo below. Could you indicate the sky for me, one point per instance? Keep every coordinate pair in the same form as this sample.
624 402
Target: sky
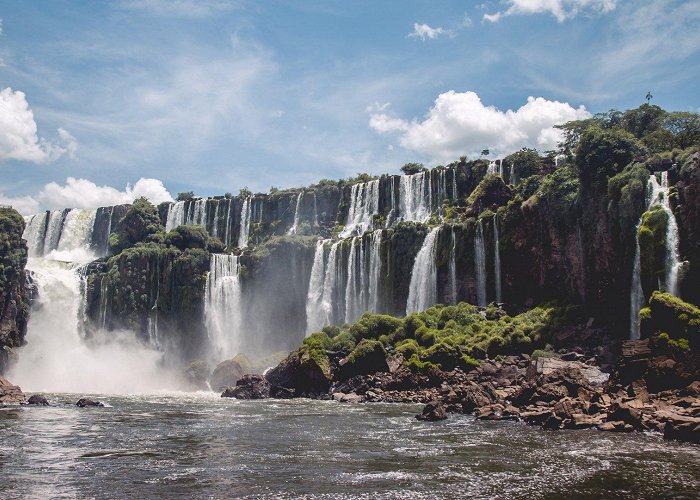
101 102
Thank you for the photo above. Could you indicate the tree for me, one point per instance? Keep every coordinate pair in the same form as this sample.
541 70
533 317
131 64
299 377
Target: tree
412 168
140 223
485 152
643 120
185 196
649 97
600 154
684 127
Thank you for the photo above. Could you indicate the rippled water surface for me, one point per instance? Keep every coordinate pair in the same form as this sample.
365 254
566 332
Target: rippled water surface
202 446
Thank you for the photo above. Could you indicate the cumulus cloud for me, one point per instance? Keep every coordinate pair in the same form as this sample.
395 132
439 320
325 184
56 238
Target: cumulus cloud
82 193
459 123
425 32
18 132
560 9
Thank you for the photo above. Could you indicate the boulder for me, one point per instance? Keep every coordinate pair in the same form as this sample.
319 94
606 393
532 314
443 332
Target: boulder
367 358
249 387
39 400
301 372
281 393
10 394
682 428
347 398
474 397
625 413
556 368
432 412
226 374
197 373
85 402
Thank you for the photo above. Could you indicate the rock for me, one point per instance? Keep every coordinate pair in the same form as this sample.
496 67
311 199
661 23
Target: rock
39 400
615 426
474 397
581 421
553 423
348 398
85 402
300 373
548 368
682 428
10 394
367 358
226 374
196 374
249 387
432 412
625 413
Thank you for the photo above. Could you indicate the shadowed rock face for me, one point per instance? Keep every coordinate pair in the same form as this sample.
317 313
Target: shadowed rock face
14 294
10 394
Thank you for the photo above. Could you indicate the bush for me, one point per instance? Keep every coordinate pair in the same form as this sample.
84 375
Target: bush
601 154
187 236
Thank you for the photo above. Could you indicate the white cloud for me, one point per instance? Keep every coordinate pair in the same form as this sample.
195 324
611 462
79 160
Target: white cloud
26 205
423 31
18 132
560 9
179 8
82 193
459 123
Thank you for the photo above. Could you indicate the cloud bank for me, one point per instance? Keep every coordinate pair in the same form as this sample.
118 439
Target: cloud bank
560 9
82 193
425 32
18 133
459 123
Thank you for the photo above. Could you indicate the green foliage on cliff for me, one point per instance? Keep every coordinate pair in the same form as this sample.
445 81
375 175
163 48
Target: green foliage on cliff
652 244
601 154
141 223
676 318
13 250
626 192
525 163
446 337
184 237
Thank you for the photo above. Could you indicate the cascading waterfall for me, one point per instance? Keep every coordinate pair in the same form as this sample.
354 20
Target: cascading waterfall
657 195
375 271
35 234
297 214
176 215
223 306
415 197
496 259
315 314
480 264
454 184
329 284
244 230
227 229
453 267
58 357
393 209
422 292
364 204
352 288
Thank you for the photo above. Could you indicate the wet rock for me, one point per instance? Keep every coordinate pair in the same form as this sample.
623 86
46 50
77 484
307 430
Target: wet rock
625 413
615 426
367 358
347 398
226 374
38 399
281 393
10 394
432 412
249 387
196 374
682 428
474 397
85 402
301 373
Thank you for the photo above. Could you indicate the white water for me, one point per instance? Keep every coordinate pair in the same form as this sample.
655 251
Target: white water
176 215
393 209
353 285
223 306
297 214
315 314
364 204
244 230
422 292
657 196
415 197
480 264
57 356
497 259
227 229
453 268
375 271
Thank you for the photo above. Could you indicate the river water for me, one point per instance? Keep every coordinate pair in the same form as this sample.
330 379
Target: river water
198 445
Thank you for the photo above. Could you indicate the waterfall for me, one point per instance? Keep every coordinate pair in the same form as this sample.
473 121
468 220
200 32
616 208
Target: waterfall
657 195
480 265
364 204
453 267
393 210
215 223
297 214
223 306
229 223
244 230
315 210
329 283
375 271
492 168
76 237
422 292
352 288
415 197
176 215
53 231
35 234
496 259
454 184
199 213
315 317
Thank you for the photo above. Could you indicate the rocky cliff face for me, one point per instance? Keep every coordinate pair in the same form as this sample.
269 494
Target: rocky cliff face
14 297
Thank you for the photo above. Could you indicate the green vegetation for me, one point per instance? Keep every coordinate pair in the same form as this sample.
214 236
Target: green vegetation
185 196
445 337
673 318
525 163
13 251
140 224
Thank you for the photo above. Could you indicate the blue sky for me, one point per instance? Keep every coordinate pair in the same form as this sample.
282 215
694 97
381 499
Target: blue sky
212 95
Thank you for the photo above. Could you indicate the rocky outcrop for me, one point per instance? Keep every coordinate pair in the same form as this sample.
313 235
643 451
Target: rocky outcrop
226 374
302 373
432 412
87 403
14 296
249 387
10 394
38 400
